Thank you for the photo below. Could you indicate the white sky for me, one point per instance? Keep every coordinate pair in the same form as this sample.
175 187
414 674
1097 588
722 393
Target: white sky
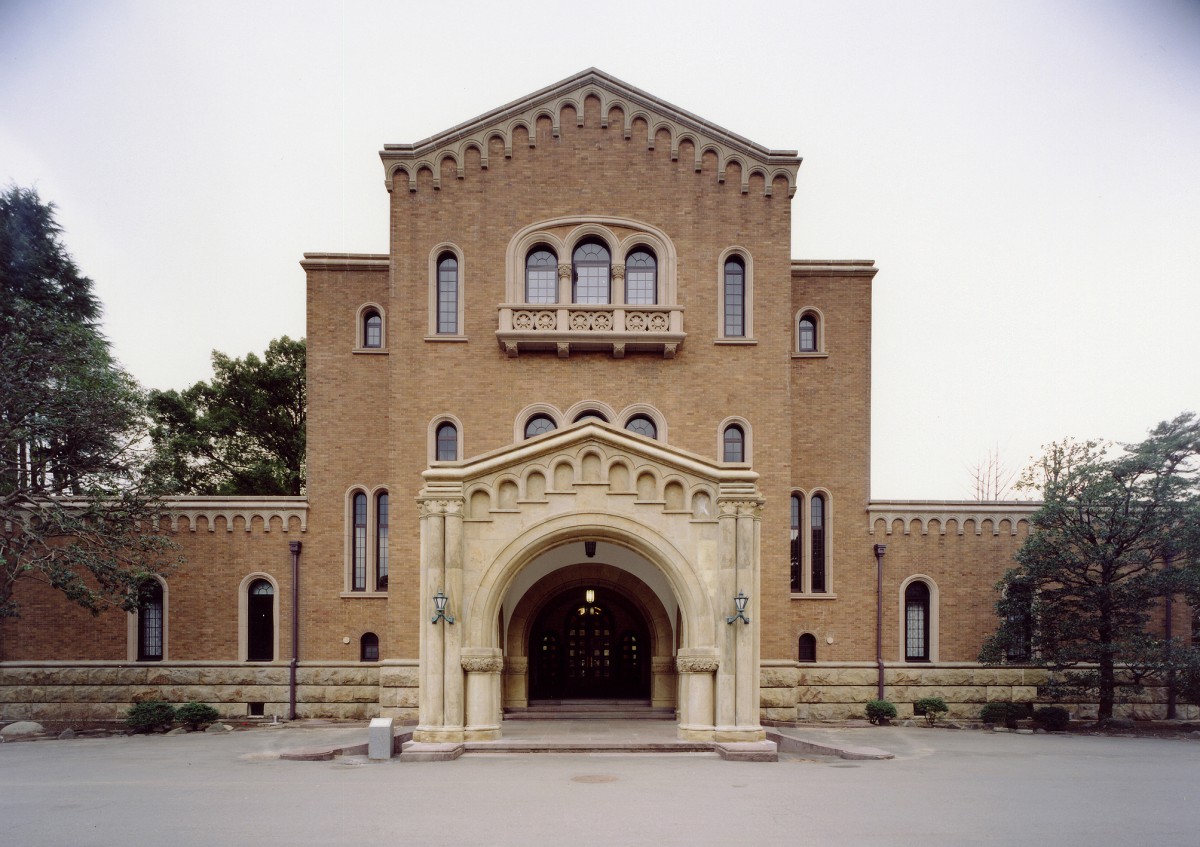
1026 175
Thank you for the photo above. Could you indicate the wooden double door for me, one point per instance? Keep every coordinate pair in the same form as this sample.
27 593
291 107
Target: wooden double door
585 649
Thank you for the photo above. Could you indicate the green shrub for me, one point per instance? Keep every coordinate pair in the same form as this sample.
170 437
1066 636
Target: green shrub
1052 718
196 715
931 708
1005 713
880 711
149 716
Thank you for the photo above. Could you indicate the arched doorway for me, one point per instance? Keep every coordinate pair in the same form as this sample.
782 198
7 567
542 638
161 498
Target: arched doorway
589 643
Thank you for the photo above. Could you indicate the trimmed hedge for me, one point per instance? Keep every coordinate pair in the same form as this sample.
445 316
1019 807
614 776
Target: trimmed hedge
880 710
150 716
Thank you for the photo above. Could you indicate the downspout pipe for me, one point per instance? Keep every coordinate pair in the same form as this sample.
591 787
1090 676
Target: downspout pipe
880 549
294 546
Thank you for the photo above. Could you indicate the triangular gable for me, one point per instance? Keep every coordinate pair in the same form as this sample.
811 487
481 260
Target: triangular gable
406 160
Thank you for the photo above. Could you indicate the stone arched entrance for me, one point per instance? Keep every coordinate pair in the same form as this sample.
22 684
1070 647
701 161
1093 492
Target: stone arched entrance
486 524
556 646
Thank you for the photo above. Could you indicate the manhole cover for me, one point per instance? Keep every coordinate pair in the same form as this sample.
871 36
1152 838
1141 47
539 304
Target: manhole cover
594 777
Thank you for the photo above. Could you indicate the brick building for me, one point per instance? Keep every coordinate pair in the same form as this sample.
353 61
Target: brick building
590 402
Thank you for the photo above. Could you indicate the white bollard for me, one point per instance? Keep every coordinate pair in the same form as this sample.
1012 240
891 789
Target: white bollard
379 739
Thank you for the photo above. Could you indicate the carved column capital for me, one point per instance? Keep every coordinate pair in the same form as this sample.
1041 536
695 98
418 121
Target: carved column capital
564 271
618 271
696 664
482 664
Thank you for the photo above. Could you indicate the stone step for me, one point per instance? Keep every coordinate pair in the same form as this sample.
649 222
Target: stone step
567 710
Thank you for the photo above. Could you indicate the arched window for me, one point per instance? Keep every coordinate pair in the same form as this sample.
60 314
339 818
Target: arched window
372 329
381 542
260 621
916 622
807 651
641 278
358 577
447 442
541 276
537 425
642 425
734 444
447 294
368 647
592 266
817 526
796 547
735 297
806 334
150 618
590 414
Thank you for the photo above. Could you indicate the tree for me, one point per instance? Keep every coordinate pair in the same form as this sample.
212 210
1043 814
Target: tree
1095 564
990 479
241 433
73 513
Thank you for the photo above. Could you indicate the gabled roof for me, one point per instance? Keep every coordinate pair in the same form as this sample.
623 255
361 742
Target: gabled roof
573 91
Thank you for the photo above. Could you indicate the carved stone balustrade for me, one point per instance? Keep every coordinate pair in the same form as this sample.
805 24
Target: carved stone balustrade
578 327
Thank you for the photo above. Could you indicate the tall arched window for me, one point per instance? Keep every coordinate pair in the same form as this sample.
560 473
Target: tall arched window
541 276
372 329
381 542
447 294
447 442
592 267
734 444
806 334
538 424
916 622
796 547
817 526
260 621
807 651
641 278
368 647
150 618
735 297
358 578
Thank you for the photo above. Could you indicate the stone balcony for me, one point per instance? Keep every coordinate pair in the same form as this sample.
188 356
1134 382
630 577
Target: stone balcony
577 327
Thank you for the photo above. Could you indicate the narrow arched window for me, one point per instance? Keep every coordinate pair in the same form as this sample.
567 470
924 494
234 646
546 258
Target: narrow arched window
642 425
150 621
807 651
358 579
1018 605
381 542
592 267
916 622
734 441
541 276
372 329
538 425
806 335
797 551
260 621
447 442
735 297
447 299
368 647
641 278
817 527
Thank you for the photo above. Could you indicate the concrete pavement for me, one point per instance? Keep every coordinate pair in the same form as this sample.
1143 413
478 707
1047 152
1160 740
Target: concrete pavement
944 787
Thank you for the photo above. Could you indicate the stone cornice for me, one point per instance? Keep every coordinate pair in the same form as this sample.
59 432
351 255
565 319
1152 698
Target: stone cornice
704 135
834 267
345 262
923 512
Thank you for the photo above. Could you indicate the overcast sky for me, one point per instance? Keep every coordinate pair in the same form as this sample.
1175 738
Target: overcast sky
1026 175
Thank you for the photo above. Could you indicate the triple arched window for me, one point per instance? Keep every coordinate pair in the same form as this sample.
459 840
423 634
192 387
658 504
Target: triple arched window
592 275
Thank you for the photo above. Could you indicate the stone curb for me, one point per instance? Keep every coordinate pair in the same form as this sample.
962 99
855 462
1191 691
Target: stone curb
791 744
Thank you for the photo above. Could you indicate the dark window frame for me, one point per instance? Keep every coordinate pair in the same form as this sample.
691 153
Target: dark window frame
809 344
381 541
917 599
448 294
358 541
796 542
446 448
372 329
541 268
730 445
643 419
636 277
806 648
818 518
733 293
535 419
151 622
368 647
582 275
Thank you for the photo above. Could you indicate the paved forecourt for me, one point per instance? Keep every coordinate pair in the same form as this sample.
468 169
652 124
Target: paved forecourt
943 787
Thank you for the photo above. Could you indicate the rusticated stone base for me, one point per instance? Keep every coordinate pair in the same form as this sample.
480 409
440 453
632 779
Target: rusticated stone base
103 691
791 691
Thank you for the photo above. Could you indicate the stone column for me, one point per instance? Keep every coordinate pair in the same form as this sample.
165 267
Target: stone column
726 589
564 285
453 707
697 667
432 715
662 682
747 724
483 666
516 682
